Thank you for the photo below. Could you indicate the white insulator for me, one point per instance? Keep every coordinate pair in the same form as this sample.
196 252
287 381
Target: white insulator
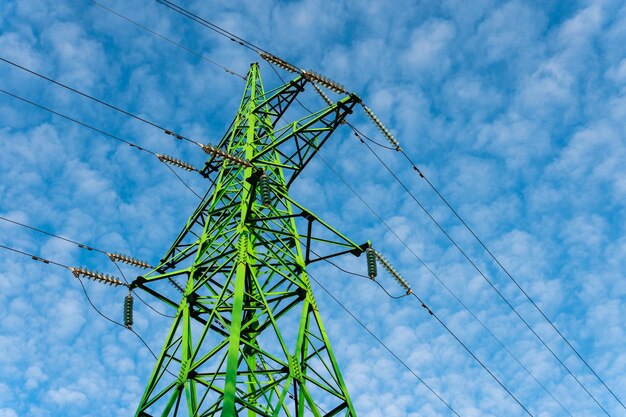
176 162
279 62
322 94
326 82
381 127
96 276
212 150
395 274
129 260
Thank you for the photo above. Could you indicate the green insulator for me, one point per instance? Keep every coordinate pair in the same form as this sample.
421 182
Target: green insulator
264 188
128 311
371 263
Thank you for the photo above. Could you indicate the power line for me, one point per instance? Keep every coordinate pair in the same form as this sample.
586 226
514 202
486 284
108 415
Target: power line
359 134
447 329
81 246
385 346
428 268
47 261
471 353
482 274
120 324
510 276
102 102
196 53
35 257
102 132
211 26
475 317
257 49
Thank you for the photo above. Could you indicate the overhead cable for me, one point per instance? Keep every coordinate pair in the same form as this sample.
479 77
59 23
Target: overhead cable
173 42
162 158
509 275
102 102
387 348
112 256
491 284
360 135
405 285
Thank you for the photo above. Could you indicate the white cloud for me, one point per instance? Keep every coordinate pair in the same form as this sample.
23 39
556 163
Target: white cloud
514 111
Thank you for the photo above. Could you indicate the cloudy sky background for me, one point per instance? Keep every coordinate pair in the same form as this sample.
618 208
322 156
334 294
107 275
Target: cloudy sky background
514 110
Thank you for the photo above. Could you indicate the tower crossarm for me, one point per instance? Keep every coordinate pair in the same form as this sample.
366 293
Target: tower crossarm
272 106
299 141
318 233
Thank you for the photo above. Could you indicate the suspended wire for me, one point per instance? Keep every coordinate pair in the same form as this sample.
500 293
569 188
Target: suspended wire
102 132
121 325
358 133
257 49
35 257
385 346
47 261
510 276
480 272
438 279
495 378
196 53
85 247
211 26
356 274
102 102
445 327
183 181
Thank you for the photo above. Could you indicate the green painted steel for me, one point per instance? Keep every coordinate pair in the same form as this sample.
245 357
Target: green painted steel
248 337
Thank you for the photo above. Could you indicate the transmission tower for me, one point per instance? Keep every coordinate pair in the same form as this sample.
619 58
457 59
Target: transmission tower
247 337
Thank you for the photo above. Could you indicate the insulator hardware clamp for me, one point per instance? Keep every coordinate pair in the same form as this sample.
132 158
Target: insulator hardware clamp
176 135
382 127
392 271
279 62
96 276
129 260
176 162
212 150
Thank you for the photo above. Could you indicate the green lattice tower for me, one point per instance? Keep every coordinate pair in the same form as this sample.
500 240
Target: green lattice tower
248 337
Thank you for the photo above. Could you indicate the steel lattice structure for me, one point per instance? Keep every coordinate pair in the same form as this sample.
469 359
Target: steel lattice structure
248 337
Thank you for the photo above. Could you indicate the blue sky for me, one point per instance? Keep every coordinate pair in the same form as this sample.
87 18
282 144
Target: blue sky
515 111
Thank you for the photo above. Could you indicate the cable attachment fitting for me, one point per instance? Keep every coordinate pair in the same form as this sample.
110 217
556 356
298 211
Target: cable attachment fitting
176 135
96 276
129 260
322 94
212 150
370 255
324 81
128 310
382 127
392 271
176 162
274 60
